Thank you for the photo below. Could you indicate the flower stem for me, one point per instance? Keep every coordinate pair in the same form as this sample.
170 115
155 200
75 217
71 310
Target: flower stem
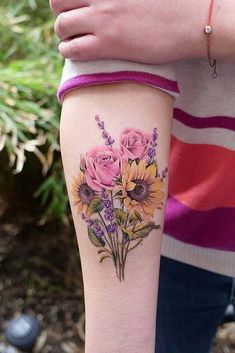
125 256
133 247
119 265
103 221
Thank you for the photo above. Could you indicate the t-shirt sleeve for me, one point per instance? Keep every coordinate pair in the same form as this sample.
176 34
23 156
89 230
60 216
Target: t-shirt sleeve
78 74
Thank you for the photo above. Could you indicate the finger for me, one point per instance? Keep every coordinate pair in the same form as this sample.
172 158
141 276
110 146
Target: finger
81 48
74 23
59 6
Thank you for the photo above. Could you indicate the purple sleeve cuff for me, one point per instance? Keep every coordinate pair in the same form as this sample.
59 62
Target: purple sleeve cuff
154 80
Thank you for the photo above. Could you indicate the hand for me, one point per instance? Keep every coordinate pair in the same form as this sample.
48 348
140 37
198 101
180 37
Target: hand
147 31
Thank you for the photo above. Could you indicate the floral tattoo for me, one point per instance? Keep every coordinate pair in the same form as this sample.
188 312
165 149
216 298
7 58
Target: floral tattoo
117 192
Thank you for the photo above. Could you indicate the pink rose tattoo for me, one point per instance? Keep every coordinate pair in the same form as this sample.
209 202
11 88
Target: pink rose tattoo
134 143
103 166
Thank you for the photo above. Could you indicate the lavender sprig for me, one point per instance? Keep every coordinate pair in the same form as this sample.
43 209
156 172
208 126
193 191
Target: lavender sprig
108 212
95 225
98 229
112 227
109 141
151 151
164 173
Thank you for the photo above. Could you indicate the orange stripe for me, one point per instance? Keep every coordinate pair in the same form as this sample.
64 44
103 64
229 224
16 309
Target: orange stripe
202 176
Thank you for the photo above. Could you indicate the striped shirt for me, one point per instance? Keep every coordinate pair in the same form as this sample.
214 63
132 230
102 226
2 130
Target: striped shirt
199 224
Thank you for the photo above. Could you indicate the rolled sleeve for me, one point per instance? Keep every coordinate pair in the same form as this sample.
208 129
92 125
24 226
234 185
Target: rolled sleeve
78 74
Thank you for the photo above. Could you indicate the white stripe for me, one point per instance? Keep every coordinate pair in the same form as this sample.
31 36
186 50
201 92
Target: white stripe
222 262
201 95
210 136
75 68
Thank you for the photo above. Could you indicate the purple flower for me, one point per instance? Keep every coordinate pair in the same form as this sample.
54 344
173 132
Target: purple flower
98 229
108 139
112 228
107 203
108 214
90 222
151 151
155 134
164 173
104 135
104 194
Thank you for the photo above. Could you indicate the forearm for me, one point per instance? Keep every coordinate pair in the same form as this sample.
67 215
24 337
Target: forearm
121 294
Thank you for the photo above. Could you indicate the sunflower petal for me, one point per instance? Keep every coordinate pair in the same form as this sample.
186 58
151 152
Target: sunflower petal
127 201
151 171
156 186
141 169
133 172
130 186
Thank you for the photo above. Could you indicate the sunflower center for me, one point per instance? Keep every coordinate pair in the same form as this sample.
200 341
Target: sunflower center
140 191
86 194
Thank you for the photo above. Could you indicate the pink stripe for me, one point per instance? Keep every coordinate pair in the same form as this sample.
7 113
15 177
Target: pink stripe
225 122
120 76
210 229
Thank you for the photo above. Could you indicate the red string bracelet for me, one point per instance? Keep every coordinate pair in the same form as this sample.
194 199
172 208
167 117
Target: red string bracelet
208 31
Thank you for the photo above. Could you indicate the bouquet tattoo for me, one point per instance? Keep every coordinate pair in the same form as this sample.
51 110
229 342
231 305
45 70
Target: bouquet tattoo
117 191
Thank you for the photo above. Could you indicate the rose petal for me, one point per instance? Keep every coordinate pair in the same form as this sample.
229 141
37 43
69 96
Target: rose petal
90 166
116 168
138 151
105 174
95 185
126 153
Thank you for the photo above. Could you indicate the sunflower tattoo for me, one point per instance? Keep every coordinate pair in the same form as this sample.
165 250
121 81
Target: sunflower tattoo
117 192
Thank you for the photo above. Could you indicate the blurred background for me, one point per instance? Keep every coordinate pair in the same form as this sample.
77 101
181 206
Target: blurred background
40 271
39 261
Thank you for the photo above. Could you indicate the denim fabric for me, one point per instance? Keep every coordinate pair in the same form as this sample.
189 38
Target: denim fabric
191 305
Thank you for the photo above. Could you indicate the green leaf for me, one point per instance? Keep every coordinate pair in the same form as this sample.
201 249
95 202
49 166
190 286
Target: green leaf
104 257
135 216
99 242
120 216
131 235
140 231
145 228
96 205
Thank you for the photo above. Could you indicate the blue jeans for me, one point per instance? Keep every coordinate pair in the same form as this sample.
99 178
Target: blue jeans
191 305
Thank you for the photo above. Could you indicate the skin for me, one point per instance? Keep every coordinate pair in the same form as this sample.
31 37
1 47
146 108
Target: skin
150 31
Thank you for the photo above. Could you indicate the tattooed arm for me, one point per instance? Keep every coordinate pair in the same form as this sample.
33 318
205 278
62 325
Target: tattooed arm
115 146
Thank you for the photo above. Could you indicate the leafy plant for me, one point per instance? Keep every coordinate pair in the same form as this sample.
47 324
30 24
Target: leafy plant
30 69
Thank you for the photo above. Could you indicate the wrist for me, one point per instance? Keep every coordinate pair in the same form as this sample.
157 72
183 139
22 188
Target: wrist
193 41
223 27
223 30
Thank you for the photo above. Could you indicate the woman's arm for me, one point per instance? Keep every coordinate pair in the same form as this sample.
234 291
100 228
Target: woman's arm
117 191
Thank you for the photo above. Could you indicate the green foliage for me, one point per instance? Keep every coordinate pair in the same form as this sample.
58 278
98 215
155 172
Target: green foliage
142 230
30 70
97 241
120 217
96 205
